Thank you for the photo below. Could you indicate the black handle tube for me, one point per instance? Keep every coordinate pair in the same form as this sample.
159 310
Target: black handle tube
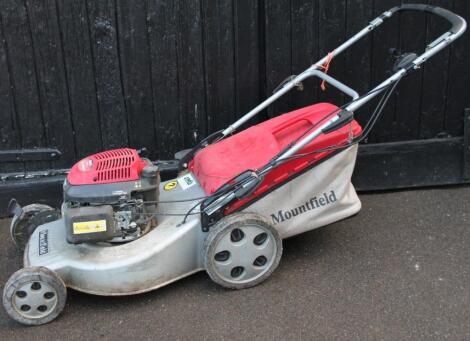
457 22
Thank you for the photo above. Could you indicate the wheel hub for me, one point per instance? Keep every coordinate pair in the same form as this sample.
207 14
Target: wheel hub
244 253
34 299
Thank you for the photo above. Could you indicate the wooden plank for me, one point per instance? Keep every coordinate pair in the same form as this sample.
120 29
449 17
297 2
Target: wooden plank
407 114
162 34
278 52
358 57
247 57
466 145
408 164
332 33
305 48
46 190
219 66
52 83
384 38
263 90
23 77
191 85
114 125
78 60
26 155
136 75
459 77
435 80
9 134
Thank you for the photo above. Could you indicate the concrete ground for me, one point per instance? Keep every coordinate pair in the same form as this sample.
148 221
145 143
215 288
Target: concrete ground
398 270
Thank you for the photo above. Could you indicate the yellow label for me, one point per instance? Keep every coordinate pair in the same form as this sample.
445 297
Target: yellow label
89 226
171 185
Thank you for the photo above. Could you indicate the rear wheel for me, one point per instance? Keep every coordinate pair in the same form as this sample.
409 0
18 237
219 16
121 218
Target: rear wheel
34 296
33 215
241 251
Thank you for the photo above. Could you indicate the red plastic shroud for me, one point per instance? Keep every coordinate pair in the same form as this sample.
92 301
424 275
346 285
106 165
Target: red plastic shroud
254 147
111 166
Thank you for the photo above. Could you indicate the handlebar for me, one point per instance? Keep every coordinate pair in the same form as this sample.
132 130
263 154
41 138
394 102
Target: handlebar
458 23
458 28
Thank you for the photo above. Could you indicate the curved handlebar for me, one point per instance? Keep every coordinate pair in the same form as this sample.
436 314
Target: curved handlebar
458 28
458 23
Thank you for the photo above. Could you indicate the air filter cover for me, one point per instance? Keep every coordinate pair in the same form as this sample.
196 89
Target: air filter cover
115 165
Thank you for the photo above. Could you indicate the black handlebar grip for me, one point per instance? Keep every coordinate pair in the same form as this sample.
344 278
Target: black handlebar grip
457 22
344 117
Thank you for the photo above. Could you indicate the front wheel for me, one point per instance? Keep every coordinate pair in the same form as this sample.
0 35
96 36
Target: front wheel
34 296
242 250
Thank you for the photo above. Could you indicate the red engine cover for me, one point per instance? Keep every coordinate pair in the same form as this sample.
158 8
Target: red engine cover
107 167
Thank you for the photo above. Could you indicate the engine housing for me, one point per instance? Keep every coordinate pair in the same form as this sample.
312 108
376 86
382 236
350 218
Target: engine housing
110 196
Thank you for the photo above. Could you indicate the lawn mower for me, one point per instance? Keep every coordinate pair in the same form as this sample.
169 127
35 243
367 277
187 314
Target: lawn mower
123 231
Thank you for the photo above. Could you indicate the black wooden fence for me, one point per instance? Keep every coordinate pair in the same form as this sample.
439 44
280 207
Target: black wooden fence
87 75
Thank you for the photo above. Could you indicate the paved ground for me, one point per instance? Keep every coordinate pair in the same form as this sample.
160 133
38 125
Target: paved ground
398 270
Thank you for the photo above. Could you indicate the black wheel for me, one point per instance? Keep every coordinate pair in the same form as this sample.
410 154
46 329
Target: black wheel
34 296
241 251
34 215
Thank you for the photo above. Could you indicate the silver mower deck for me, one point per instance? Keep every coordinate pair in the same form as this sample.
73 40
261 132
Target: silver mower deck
165 254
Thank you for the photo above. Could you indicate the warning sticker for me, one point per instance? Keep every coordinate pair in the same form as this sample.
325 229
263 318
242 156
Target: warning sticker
171 185
89 226
186 181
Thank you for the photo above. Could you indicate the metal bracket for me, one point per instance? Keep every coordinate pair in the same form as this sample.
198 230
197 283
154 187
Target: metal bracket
436 42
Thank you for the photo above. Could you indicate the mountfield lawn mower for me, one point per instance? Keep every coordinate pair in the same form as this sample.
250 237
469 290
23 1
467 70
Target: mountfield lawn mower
120 231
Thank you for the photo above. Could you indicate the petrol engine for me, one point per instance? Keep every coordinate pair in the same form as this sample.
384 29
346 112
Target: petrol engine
110 197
